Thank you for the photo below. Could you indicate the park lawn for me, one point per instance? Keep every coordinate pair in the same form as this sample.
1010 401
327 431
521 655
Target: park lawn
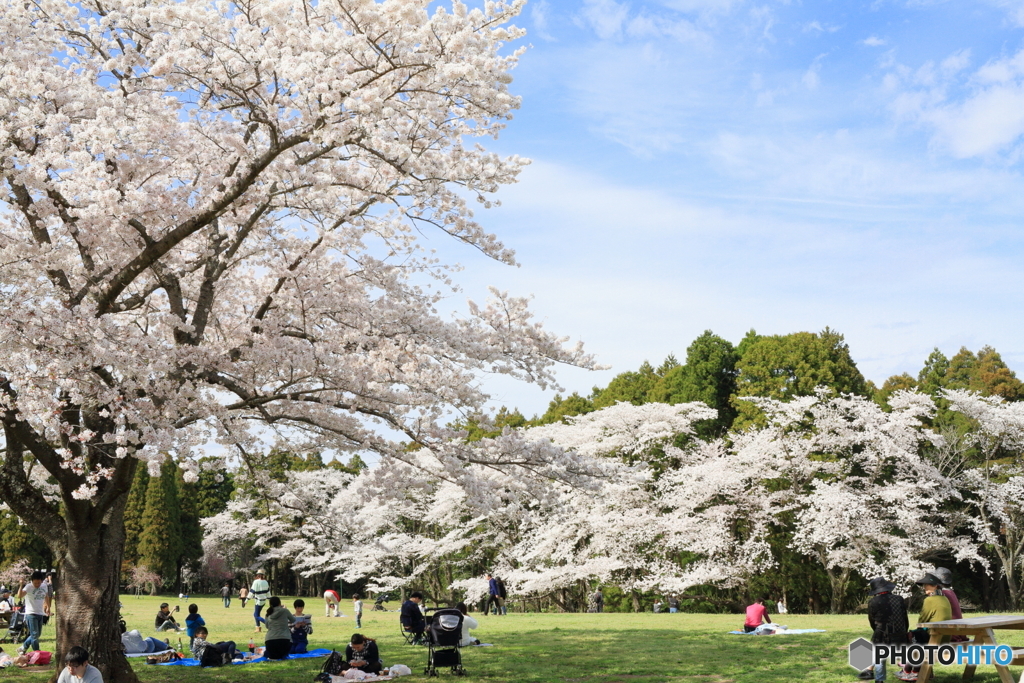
544 648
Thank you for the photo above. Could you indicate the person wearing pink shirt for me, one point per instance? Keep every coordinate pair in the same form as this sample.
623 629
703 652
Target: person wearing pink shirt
756 613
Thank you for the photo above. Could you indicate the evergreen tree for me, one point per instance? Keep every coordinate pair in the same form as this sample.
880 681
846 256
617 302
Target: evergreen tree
631 387
560 408
785 366
18 542
709 376
160 541
213 490
891 386
133 516
191 533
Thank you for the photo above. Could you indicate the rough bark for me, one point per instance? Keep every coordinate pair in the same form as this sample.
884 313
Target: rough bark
89 609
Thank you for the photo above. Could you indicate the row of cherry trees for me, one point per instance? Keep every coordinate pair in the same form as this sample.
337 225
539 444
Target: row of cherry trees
644 505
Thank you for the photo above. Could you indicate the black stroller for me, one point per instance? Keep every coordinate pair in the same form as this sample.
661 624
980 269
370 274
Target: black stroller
444 633
378 604
17 630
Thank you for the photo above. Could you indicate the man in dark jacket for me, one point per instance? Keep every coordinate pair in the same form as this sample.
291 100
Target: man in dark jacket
495 594
412 618
887 615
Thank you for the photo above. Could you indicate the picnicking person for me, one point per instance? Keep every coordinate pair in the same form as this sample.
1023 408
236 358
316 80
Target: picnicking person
887 616
260 591
468 624
201 643
946 577
37 608
936 607
302 627
756 615
77 668
362 653
192 622
6 606
165 619
278 641
411 617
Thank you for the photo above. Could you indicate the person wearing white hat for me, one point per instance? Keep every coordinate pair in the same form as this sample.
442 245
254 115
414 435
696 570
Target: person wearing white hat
260 591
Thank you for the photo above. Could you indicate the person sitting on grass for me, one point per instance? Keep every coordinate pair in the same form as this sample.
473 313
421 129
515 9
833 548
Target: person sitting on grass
165 620
412 618
202 641
192 622
78 669
279 637
755 614
361 653
301 629
468 624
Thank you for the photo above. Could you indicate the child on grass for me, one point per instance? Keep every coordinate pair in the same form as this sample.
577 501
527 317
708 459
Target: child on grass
192 622
357 606
301 628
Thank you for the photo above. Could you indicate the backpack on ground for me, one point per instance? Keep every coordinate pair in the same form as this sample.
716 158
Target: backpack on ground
214 656
335 664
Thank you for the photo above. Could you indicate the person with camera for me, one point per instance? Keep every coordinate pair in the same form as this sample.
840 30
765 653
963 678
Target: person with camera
165 619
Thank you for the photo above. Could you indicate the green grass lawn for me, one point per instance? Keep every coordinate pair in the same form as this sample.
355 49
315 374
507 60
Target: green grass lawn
548 648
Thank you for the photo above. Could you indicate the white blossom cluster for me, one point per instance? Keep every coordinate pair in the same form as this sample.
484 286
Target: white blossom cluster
852 481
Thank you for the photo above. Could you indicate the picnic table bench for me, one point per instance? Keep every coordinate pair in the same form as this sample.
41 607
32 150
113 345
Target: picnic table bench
983 629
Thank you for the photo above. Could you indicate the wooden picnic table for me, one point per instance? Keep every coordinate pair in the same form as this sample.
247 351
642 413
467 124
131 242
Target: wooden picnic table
983 629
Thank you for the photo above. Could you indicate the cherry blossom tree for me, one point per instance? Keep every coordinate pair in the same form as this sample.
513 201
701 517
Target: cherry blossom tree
211 232
995 487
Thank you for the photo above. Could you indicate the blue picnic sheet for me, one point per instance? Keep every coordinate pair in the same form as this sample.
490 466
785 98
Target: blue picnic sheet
322 652
788 631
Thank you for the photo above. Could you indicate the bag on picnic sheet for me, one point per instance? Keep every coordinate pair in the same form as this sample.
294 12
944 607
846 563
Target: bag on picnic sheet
400 670
355 675
214 656
39 658
163 657
334 665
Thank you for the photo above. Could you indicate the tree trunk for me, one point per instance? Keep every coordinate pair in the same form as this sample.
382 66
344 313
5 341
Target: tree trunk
89 608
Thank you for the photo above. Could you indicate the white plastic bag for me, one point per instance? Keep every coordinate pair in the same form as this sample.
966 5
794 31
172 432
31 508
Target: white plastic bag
400 670
355 675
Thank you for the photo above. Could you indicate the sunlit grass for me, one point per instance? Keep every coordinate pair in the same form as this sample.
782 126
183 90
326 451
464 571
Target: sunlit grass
547 648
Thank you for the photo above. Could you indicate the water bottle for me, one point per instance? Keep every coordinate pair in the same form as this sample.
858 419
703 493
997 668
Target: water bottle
180 651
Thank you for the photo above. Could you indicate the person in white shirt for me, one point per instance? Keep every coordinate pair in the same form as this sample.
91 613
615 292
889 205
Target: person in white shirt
357 606
259 591
6 607
468 624
37 608
78 669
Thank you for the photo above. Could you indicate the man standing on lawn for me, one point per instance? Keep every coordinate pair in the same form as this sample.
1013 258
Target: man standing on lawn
887 615
37 608
494 595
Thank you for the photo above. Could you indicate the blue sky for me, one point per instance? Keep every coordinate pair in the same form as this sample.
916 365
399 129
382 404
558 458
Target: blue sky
728 165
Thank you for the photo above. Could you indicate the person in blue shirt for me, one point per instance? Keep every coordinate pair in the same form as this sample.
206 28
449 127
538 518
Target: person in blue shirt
192 622
412 618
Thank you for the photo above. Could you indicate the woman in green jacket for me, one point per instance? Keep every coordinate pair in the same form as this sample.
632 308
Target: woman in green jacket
936 606
279 636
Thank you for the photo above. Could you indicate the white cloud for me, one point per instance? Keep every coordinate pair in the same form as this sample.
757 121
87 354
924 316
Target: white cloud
539 15
817 27
980 115
605 17
873 41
